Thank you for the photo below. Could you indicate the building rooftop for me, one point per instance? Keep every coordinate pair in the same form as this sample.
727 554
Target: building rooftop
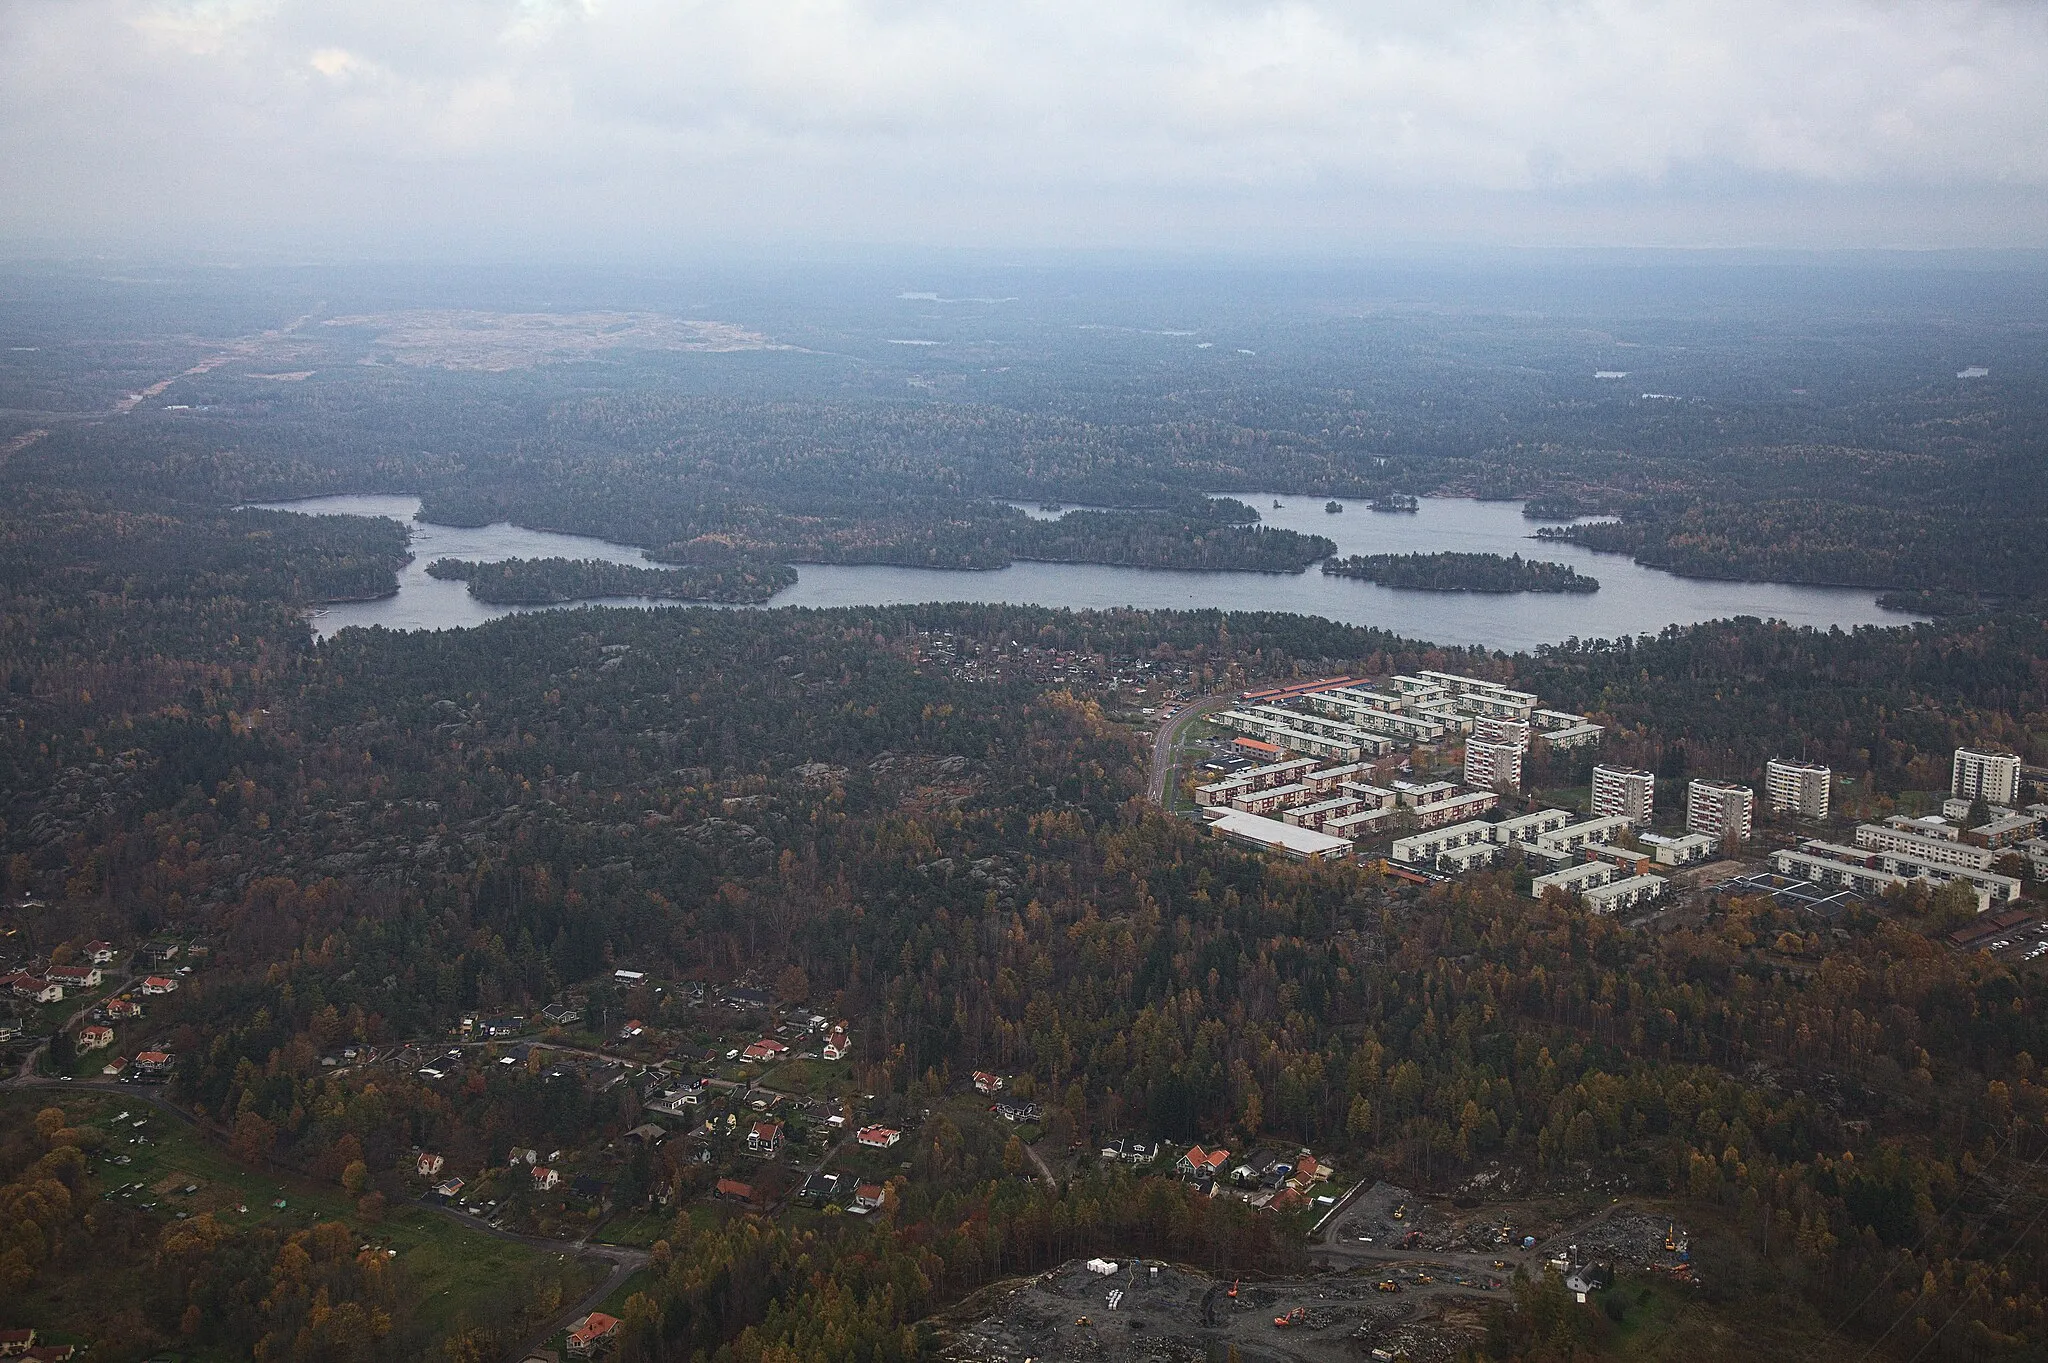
1280 837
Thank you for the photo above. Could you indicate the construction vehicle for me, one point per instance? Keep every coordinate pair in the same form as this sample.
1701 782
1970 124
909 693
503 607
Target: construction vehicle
1082 1320
1233 1288
1411 1239
1387 1285
1671 1237
1297 1316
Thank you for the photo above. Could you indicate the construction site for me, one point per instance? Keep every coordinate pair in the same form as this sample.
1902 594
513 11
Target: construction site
1161 1312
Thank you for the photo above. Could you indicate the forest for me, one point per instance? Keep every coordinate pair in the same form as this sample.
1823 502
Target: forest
930 821
1449 572
551 581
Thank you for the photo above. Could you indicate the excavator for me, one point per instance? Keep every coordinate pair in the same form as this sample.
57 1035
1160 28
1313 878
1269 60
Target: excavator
1671 1237
1298 1316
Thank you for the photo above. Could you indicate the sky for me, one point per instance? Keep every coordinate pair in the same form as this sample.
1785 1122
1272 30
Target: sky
580 127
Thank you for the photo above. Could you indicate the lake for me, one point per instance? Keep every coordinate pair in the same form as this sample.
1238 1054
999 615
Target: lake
1631 600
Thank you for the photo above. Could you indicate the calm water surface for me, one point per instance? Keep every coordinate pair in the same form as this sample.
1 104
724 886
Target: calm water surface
1631 599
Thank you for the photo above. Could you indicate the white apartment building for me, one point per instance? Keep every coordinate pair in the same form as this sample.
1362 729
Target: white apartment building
1624 793
1572 837
1717 809
1530 827
1574 879
1993 777
1624 894
1933 850
1685 850
1489 766
1801 788
1515 731
1457 860
1422 849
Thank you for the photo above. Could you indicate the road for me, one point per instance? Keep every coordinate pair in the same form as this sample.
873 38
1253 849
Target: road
1169 734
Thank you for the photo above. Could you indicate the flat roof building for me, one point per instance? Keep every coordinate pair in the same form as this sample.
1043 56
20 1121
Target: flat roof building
1719 810
1624 793
1271 835
1993 777
1490 766
1624 894
1801 788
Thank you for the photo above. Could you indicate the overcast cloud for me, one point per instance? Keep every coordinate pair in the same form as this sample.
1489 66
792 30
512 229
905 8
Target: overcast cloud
398 125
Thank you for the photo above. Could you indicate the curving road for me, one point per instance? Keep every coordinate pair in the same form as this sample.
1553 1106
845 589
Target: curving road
1169 734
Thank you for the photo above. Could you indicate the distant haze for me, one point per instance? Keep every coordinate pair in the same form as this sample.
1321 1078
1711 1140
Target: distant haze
569 127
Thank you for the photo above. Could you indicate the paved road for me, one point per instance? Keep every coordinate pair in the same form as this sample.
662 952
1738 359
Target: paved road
1169 732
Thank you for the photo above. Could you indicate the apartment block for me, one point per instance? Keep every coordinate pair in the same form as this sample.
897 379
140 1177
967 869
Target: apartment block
1491 730
1801 788
1422 849
1717 809
1993 777
1624 894
1624 793
1573 879
1530 827
1489 766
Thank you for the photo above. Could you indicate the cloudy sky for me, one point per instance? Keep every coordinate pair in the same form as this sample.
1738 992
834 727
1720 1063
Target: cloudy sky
505 126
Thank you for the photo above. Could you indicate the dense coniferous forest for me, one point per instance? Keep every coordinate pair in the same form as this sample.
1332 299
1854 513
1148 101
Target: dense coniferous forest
930 821
1462 573
550 581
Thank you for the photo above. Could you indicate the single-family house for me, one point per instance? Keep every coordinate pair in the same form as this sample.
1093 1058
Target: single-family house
75 976
869 1196
1308 1171
1140 1152
430 1164
764 1050
449 1188
153 1062
1018 1113
112 1069
546 1179
100 953
984 1082
95 1038
878 1137
1202 1165
592 1333
159 984
23 985
839 1044
124 1007
732 1190
764 1139
16 1342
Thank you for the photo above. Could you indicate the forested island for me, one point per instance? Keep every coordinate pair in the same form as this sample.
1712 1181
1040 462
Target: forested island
1168 540
552 581
1462 573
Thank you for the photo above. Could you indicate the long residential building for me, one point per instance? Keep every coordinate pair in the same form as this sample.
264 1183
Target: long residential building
1422 849
1271 800
1574 736
1993 777
1625 793
1801 788
1624 894
1572 837
1719 809
1359 823
1684 850
1456 809
1321 812
1932 850
1530 827
1456 860
1573 879
1871 870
